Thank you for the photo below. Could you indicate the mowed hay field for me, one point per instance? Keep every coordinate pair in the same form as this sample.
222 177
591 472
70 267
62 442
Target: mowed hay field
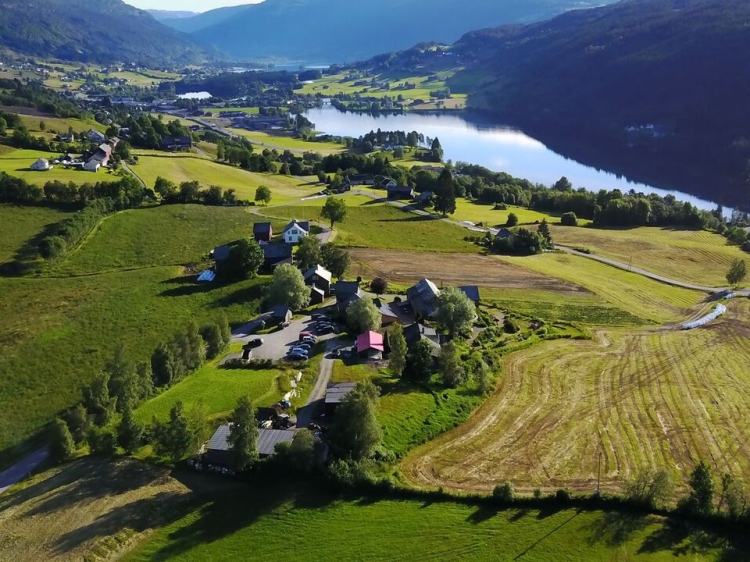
648 299
16 163
692 256
88 510
658 398
207 173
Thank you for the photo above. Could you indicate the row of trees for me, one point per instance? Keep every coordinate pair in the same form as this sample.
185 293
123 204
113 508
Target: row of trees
522 241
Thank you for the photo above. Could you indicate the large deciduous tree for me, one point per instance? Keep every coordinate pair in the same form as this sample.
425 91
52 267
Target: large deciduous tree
288 288
61 445
243 262
450 367
173 438
335 259
309 252
243 436
334 210
737 273
454 311
419 362
263 195
397 343
362 315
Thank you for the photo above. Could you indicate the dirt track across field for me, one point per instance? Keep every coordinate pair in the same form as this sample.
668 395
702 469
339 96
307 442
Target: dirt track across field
454 269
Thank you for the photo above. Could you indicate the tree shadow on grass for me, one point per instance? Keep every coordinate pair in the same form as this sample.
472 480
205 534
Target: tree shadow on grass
413 218
683 539
482 514
615 528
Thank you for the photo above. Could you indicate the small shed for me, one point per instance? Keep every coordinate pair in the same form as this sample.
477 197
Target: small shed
399 192
281 313
387 314
335 393
262 231
276 254
317 295
370 345
471 291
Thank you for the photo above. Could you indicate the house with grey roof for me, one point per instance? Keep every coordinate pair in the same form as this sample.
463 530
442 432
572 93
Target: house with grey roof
423 297
471 291
295 231
262 231
320 277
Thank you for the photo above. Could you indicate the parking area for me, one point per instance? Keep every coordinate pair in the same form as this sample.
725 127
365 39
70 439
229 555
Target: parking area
276 345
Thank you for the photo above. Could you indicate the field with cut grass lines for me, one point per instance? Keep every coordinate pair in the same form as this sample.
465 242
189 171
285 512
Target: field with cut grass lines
643 297
659 398
693 256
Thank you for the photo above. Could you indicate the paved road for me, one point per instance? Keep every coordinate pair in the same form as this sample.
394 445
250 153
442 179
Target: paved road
316 400
22 468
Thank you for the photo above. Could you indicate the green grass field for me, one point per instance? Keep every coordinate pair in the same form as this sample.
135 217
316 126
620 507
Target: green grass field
19 224
370 224
58 331
631 292
60 125
476 213
16 163
693 256
207 172
268 519
136 238
283 142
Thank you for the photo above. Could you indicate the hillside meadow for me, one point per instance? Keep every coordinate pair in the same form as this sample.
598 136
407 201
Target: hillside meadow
16 163
128 287
20 224
180 168
693 256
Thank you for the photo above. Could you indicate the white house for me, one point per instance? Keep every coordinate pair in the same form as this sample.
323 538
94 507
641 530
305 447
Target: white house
92 165
295 231
41 165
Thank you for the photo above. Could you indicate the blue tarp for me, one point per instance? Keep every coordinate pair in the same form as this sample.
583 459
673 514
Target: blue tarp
206 276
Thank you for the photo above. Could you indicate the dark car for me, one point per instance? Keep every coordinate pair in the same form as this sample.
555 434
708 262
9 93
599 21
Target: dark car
296 357
326 329
319 316
304 345
257 342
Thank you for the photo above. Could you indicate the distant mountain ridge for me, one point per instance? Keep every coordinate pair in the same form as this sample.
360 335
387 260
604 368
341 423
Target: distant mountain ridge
660 87
160 15
331 31
98 31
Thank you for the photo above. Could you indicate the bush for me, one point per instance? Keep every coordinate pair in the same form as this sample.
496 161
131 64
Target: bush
537 494
102 442
504 492
569 219
510 326
52 247
562 495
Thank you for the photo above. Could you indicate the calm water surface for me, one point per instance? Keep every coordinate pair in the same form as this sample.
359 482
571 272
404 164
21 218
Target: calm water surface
498 148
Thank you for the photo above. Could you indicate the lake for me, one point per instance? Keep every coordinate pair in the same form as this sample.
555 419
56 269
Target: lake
495 147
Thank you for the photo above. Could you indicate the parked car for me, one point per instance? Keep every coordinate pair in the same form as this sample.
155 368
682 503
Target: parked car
319 315
301 351
305 345
327 329
305 333
309 339
257 342
297 357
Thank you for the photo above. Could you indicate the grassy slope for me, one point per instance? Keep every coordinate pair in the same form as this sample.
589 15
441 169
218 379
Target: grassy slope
206 172
57 332
18 224
629 291
694 256
664 398
167 235
267 520
288 142
369 224
475 212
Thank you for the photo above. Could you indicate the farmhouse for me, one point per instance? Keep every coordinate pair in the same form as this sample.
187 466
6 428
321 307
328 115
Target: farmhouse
370 345
419 332
41 165
218 446
176 143
399 192
361 179
101 157
295 231
262 231
318 276
422 297
386 182
425 198
335 394
387 315
276 254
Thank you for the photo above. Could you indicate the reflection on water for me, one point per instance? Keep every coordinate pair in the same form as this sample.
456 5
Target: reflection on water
498 148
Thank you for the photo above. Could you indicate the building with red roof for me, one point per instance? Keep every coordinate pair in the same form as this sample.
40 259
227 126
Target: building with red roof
370 345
